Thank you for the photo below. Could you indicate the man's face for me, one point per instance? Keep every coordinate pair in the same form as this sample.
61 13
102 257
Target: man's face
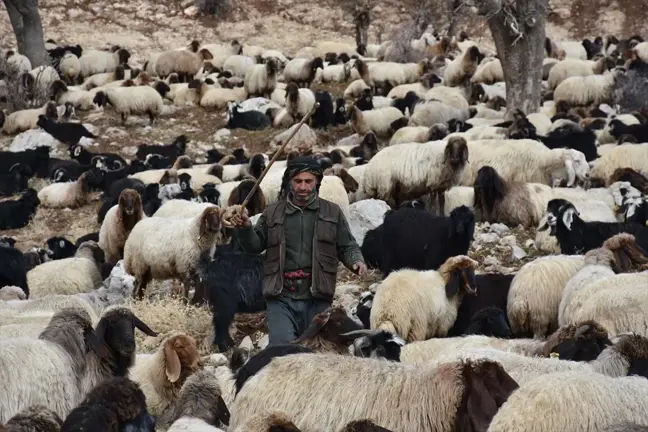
303 184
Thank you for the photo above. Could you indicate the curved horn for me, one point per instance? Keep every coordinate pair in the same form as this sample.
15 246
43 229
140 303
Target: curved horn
361 332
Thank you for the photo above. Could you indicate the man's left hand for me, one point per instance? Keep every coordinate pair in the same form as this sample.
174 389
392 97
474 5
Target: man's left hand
360 268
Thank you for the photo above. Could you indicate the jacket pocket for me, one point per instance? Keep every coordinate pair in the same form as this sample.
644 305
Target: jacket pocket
270 268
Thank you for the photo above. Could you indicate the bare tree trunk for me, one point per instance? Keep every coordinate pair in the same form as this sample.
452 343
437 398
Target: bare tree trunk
27 26
362 22
518 30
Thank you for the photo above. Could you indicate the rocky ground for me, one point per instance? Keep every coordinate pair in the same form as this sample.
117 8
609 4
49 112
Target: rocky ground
145 27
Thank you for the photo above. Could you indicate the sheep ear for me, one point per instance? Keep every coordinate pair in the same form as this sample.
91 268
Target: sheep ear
453 285
221 413
568 217
319 321
143 327
571 174
173 367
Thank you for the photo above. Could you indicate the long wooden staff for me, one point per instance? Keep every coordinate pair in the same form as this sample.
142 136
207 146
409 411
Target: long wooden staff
276 155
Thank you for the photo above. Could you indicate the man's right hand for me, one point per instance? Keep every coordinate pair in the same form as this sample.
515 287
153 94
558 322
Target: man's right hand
236 218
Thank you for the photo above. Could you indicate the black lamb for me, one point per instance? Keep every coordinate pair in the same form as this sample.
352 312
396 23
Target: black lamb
157 161
214 156
136 166
171 151
16 180
324 115
117 404
37 159
61 247
16 214
576 236
248 120
233 284
419 240
13 268
492 292
67 133
639 131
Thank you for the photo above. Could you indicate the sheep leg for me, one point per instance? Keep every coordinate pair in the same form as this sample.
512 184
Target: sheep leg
151 117
140 285
440 201
123 118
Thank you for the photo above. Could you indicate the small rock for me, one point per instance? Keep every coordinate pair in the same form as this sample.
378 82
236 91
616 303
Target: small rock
366 215
487 238
114 132
191 11
499 229
491 261
31 139
247 343
509 240
222 134
518 252
263 342
529 243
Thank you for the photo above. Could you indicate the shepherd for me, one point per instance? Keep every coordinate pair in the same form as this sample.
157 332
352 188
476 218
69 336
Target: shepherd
304 237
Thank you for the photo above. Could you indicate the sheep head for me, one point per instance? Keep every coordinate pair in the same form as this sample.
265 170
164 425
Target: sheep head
628 255
489 321
100 99
327 328
489 188
458 272
35 417
456 153
130 208
582 341
375 344
169 176
463 223
181 358
210 222
634 348
292 92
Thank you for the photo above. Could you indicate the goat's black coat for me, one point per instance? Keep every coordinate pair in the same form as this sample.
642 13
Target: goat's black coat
492 291
490 321
565 137
37 160
111 161
16 180
171 151
67 133
13 270
94 236
65 170
325 113
340 112
61 247
372 247
234 282
639 131
111 196
16 214
151 202
585 236
249 120
209 193
263 358
419 240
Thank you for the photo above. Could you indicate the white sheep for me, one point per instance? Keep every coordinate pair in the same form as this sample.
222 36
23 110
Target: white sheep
419 134
261 80
42 78
80 99
18 63
574 67
67 195
216 97
103 79
70 67
20 121
220 52
332 189
118 223
356 88
536 291
592 89
99 61
489 71
451 96
462 68
132 100
302 71
160 248
418 305
379 121
238 65
623 156
336 73
435 112
181 209
183 62
69 275
548 403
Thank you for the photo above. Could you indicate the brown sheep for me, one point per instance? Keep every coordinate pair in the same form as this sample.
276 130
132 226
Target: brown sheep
118 223
636 179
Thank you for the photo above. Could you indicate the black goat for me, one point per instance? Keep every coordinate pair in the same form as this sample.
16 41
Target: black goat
94 236
490 321
246 369
37 160
639 131
65 170
110 161
492 292
214 156
151 202
375 344
367 148
117 404
16 214
571 135
136 166
372 247
419 240
61 247
363 310
340 115
57 53
111 196
365 101
171 151
16 180
324 115
233 284
248 120
409 102
593 48
103 178
184 180
576 236
13 270
67 133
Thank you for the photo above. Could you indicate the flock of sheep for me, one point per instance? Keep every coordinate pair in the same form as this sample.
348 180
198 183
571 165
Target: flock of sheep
561 345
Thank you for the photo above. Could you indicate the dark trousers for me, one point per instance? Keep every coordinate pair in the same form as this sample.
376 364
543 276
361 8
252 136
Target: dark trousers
288 318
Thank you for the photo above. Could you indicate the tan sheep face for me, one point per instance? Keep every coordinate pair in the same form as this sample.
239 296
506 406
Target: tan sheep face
181 357
210 221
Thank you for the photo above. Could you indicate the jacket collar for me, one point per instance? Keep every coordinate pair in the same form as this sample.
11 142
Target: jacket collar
292 208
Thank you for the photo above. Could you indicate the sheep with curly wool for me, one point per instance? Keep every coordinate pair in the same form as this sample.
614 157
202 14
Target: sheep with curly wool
23 120
162 374
261 79
115 403
11 292
199 406
67 360
99 61
132 100
535 294
418 305
70 275
417 409
591 89
489 71
67 195
302 71
69 67
36 418
147 253
118 223
407 171
603 401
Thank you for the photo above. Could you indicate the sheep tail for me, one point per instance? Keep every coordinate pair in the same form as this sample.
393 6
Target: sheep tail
456 263
628 255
